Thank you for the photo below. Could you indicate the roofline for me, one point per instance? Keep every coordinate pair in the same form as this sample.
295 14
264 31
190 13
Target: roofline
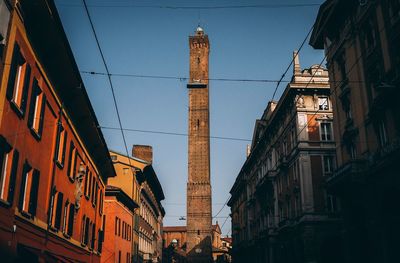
130 157
121 197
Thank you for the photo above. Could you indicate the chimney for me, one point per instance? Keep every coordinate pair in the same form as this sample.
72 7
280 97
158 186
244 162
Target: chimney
296 63
144 152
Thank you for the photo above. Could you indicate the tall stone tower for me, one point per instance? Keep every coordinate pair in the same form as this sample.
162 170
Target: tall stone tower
198 186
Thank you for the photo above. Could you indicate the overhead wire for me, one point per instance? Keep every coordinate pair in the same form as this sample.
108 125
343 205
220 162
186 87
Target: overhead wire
188 7
175 133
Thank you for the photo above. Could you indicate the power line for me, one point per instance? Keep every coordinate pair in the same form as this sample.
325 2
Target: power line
109 79
291 62
175 133
182 78
210 7
216 215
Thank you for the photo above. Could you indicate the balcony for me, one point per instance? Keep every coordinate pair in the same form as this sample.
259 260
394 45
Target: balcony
350 174
386 155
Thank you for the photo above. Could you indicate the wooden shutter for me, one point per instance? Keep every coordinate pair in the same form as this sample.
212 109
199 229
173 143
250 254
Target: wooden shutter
70 168
34 192
25 170
64 146
71 219
13 72
31 114
25 88
42 110
59 206
13 176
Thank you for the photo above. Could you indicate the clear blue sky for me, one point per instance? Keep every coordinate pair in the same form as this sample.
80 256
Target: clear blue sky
246 43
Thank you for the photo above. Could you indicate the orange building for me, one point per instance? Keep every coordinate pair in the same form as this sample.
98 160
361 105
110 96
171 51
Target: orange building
118 236
122 209
54 160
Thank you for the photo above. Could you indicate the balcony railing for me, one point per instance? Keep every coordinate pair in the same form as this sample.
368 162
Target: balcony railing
353 171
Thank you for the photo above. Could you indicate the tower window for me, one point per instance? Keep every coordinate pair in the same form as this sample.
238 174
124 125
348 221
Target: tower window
198 60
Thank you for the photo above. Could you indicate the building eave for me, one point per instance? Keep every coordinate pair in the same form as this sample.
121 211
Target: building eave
121 197
48 39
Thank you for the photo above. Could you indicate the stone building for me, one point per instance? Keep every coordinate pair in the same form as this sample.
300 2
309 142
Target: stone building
121 207
198 185
361 41
151 210
279 207
175 237
54 161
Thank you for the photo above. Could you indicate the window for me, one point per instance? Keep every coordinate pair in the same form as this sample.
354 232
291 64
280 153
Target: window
128 256
72 161
369 35
85 230
323 103
93 236
382 135
68 222
326 131
328 164
36 111
8 170
60 145
119 256
101 202
114 157
93 191
394 10
352 151
18 81
29 191
56 210
88 177
100 238
331 203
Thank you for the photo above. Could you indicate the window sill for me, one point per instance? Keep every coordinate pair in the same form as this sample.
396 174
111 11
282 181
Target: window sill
72 180
53 229
60 165
83 244
26 214
17 109
35 134
66 235
5 203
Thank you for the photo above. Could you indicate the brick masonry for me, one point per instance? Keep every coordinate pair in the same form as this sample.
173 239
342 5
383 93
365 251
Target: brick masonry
198 186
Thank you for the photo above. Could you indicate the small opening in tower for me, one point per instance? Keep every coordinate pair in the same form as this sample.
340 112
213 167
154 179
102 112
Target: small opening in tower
198 122
198 60
198 232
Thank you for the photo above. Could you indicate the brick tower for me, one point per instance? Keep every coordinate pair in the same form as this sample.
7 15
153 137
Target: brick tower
198 187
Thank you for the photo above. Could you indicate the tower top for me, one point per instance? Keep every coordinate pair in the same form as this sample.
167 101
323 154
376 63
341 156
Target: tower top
199 31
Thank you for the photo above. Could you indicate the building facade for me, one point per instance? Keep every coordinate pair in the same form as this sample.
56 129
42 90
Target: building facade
122 207
119 243
175 244
151 211
198 185
280 209
54 166
361 40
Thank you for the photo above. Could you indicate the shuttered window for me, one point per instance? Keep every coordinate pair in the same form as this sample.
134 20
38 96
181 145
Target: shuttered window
56 211
8 169
60 145
36 110
18 81
72 162
29 191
